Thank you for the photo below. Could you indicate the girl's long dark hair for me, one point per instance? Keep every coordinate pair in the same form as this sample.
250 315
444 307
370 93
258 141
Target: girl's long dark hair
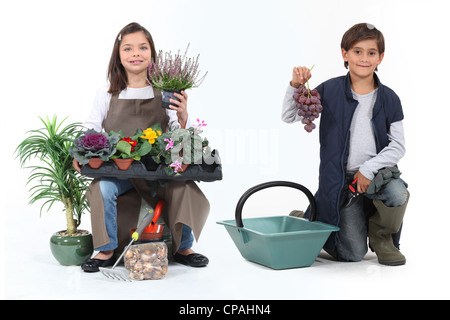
117 75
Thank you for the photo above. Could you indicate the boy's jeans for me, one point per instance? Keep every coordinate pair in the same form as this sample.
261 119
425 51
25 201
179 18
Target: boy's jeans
111 188
351 240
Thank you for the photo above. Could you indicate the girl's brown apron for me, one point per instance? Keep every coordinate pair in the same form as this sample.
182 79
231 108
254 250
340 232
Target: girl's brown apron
185 202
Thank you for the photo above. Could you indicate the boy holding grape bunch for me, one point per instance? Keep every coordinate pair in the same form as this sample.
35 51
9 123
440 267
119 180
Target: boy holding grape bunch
361 142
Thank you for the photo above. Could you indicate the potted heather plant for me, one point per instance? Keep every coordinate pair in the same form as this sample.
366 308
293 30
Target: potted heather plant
57 181
174 73
94 147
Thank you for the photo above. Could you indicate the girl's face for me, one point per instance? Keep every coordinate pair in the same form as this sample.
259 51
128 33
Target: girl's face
363 58
135 53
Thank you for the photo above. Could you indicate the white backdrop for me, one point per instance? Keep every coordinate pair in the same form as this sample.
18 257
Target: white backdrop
54 56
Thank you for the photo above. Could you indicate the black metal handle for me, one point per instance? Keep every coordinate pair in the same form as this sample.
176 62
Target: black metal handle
249 192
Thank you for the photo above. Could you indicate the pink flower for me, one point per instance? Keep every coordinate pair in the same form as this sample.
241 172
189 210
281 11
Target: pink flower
169 144
176 165
201 124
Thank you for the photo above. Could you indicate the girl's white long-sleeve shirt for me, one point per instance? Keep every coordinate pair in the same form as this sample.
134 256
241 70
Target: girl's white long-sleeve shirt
102 100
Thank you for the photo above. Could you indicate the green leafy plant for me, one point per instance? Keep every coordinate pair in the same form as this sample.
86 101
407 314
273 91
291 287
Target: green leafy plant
180 146
93 144
131 147
55 179
175 72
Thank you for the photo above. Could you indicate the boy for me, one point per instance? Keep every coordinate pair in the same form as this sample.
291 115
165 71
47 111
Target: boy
361 137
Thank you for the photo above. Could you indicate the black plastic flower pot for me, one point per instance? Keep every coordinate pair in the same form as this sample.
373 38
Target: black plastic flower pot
149 163
167 95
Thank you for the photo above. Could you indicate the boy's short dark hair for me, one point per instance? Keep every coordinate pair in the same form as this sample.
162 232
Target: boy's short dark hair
359 32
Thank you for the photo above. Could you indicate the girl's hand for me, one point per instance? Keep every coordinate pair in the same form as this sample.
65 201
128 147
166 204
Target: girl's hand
363 183
181 108
76 165
299 76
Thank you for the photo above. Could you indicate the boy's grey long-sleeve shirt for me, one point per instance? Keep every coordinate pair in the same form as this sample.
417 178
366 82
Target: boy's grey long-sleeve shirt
362 149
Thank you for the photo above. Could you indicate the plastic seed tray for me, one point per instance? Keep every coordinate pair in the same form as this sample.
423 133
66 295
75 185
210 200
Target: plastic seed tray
209 170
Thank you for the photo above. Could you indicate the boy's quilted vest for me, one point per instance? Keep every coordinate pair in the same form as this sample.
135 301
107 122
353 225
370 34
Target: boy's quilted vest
338 108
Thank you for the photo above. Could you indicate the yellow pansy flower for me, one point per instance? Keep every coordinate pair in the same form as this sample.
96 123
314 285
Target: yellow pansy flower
151 135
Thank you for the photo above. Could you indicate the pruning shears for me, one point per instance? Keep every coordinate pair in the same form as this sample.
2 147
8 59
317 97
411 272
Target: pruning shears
353 192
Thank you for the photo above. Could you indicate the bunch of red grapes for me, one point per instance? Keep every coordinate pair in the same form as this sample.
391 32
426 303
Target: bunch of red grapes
309 106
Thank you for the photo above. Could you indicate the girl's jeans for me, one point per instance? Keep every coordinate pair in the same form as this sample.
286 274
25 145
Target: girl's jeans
351 240
111 188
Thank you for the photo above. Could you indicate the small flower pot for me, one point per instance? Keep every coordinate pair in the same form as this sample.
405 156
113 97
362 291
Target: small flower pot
147 236
149 163
167 95
183 168
95 163
123 164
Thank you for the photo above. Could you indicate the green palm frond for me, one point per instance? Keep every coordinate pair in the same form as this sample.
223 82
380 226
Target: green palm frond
55 179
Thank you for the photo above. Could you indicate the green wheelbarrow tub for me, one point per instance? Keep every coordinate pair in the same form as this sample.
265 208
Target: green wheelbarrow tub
278 242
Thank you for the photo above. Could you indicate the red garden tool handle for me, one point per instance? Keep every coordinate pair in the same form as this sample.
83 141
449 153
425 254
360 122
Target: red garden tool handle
249 192
152 227
353 186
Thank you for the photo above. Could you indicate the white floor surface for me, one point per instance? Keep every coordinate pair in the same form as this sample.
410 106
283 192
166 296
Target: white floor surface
31 272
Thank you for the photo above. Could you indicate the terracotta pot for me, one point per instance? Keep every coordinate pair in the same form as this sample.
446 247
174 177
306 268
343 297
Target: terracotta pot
123 164
95 163
183 168
150 236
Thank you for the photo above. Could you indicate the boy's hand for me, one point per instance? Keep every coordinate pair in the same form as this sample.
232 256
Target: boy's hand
299 76
363 182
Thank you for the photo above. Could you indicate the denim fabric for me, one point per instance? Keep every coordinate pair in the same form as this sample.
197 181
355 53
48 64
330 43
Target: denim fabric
111 188
187 238
351 240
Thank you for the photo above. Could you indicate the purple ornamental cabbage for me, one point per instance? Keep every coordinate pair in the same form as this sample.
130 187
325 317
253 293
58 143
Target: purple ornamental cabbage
94 144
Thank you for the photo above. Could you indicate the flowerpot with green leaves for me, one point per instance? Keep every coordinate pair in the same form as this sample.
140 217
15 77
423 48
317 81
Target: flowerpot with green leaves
179 148
94 147
173 74
151 134
129 149
54 180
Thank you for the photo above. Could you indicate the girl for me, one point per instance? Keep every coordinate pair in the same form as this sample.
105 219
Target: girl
128 103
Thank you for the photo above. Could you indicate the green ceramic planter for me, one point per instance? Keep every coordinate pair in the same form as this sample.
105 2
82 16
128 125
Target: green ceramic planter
71 250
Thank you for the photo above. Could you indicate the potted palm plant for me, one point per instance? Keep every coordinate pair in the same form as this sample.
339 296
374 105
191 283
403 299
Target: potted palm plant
174 73
55 180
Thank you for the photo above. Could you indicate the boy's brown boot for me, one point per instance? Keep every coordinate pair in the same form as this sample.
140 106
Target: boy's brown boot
382 225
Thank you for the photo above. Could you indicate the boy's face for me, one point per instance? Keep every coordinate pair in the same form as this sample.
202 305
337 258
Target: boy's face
363 58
